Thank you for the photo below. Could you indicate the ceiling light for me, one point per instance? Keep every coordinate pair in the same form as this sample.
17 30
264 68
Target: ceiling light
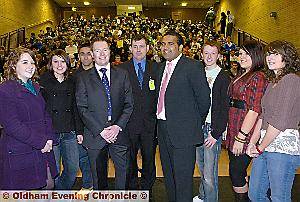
68 2
131 7
183 4
86 3
74 9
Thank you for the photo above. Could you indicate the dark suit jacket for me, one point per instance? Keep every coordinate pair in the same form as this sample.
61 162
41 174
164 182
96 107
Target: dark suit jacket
220 104
92 105
187 100
143 118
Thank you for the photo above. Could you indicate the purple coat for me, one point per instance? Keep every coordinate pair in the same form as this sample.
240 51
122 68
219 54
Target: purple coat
27 127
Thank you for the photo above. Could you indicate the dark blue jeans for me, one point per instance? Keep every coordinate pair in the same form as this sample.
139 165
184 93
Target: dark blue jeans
85 167
67 152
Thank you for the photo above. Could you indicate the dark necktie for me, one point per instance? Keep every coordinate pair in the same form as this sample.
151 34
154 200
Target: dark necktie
140 75
105 83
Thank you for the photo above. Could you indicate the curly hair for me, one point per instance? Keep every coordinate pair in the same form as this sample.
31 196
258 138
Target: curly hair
11 64
289 56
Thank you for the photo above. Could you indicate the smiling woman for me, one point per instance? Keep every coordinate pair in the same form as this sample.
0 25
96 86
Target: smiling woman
26 156
58 90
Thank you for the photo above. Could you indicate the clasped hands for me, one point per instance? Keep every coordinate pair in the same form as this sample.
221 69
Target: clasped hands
252 150
109 134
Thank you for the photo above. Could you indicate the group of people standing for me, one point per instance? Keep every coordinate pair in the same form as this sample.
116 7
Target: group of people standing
104 111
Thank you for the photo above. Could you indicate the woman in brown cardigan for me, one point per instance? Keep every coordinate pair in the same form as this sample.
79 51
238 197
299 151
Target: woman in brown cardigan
276 142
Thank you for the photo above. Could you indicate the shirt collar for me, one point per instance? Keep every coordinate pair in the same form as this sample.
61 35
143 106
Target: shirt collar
143 63
174 61
98 67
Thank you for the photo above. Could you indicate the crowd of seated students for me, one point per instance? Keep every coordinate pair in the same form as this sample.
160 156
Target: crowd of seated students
68 34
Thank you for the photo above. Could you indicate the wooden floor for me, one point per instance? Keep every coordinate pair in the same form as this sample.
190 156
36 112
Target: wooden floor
223 165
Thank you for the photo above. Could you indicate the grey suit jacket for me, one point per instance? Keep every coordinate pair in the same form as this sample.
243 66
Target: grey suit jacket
92 105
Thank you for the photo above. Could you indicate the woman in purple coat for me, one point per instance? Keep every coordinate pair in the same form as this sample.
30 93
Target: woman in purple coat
26 157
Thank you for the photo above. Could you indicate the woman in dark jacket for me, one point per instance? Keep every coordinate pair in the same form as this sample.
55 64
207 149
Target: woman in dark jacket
58 89
26 157
223 22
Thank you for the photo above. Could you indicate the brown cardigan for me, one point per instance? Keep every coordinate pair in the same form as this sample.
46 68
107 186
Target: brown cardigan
281 104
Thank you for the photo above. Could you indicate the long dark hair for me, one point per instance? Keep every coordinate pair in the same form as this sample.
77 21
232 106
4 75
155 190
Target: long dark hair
289 56
255 50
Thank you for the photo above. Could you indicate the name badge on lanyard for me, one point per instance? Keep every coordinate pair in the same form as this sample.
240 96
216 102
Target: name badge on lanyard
151 84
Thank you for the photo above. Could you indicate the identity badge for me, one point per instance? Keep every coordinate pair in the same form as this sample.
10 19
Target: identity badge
151 84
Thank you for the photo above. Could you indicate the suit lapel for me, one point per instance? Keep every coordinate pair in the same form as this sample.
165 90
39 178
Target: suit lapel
96 78
147 74
175 72
113 79
133 74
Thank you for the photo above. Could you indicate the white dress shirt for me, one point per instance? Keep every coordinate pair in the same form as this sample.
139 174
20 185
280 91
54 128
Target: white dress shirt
98 67
174 62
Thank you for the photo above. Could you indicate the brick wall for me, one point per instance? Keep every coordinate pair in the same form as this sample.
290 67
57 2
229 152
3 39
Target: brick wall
253 16
31 14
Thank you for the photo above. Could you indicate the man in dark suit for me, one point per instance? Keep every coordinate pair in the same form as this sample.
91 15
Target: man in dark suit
105 103
183 103
141 125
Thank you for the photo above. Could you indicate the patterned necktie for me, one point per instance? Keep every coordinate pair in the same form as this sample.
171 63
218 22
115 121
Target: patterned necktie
140 75
105 83
161 99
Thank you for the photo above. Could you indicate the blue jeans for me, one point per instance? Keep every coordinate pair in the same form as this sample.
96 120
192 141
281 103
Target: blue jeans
275 171
67 151
85 167
207 161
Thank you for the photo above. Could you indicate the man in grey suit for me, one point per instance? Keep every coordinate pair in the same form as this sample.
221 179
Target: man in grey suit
105 103
183 103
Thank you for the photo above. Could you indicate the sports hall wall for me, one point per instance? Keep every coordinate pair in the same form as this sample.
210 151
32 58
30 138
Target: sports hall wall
31 14
253 16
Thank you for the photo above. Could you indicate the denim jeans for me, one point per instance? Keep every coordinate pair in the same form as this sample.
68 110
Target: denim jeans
275 171
67 151
85 167
207 161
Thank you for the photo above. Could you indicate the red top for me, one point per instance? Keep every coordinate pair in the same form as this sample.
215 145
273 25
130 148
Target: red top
251 91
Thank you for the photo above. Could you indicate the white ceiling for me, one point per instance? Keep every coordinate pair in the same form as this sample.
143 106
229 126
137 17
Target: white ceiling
145 3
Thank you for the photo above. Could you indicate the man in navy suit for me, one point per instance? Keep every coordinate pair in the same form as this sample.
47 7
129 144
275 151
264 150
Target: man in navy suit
105 103
141 125
183 103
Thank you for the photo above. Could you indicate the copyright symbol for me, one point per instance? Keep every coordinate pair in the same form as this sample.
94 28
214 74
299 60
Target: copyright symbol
143 195
5 195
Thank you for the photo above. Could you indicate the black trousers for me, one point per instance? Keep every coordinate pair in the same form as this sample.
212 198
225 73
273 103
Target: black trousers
99 163
178 166
146 143
238 168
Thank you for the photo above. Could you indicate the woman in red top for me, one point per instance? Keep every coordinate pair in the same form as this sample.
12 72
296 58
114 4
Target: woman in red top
245 91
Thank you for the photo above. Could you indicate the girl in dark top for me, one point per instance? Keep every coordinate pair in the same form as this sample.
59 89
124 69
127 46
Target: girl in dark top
245 91
58 89
276 142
